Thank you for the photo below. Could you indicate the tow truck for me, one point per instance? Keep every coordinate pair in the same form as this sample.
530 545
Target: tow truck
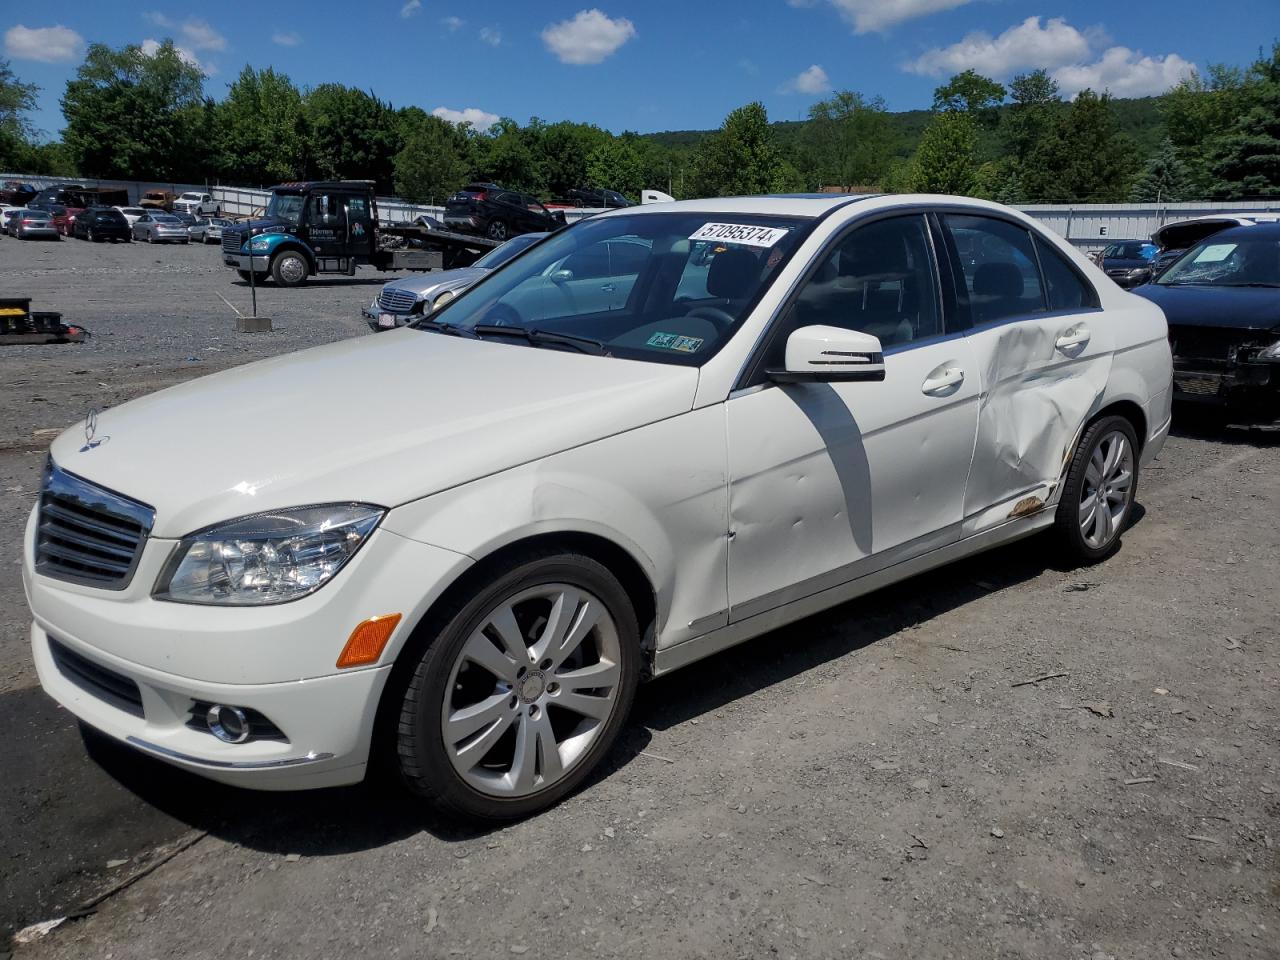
316 227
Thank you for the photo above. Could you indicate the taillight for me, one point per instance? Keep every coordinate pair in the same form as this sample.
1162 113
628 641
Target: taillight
480 196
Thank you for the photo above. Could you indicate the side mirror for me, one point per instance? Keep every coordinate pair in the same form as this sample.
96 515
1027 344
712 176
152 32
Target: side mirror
562 276
830 354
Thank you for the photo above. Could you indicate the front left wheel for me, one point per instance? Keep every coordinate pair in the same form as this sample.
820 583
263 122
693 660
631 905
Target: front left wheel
290 269
523 691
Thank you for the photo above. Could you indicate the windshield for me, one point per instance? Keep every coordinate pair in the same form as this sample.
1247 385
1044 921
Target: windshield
191 196
501 254
1131 250
662 287
286 207
1228 263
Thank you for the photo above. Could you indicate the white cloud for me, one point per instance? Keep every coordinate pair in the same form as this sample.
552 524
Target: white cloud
1028 44
868 15
453 23
480 119
812 80
1124 73
151 46
159 19
589 37
491 36
410 8
286 39
200 36
45 44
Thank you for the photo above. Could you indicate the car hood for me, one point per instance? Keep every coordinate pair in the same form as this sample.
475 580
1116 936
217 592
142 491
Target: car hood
421 285
384 420
1241 308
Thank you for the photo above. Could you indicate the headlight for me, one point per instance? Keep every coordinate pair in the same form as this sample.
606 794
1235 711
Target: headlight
1270 353
272 557
444 298
259 242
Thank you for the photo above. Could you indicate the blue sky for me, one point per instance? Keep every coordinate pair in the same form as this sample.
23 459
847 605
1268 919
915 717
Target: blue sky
647 64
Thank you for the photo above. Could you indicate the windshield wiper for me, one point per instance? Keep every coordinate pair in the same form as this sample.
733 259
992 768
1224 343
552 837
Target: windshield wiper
541 337
450 329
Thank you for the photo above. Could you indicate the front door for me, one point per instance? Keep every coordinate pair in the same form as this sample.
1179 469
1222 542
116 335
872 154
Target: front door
829 481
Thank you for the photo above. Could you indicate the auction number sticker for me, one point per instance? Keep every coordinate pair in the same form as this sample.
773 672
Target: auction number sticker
743 233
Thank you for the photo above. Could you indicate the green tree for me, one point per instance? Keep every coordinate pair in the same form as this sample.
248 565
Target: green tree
503 156
1198 112
946 161
847 141
351 135
137 116
430 165
563 153
739 158
972 93
261 129
1030 116
1246 158
17 99
1164 179
1084 158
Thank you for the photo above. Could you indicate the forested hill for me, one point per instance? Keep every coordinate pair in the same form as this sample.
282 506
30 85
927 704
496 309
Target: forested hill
1139 118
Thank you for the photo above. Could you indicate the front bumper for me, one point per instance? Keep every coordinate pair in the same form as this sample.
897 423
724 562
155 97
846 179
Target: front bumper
240 261
1241 386
278 660
376 318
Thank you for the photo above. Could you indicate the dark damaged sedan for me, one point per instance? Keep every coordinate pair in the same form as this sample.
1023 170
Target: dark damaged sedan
1222 301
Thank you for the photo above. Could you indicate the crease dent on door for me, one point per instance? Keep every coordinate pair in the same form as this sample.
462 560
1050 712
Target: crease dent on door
1035 398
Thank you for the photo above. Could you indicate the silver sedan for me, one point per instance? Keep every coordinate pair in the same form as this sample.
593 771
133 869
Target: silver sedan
208 229
160 228
35 225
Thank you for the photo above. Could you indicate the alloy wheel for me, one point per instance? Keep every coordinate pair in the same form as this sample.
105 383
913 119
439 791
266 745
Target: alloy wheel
1107 490
531 690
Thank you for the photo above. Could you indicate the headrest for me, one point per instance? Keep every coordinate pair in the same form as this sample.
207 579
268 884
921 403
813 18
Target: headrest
998 280
731 274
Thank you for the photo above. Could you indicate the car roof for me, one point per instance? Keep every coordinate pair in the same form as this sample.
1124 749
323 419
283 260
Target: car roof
1255 231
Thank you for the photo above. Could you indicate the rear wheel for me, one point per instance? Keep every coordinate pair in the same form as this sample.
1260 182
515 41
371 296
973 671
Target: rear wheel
524 689
1097 498
290 269
89 235
497 230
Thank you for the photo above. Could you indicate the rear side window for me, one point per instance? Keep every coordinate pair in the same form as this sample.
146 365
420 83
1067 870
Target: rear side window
1066 289
998 264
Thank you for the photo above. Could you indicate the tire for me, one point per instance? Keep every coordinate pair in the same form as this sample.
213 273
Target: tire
1085 533
88 235
290 269
496 230
151 237
533 700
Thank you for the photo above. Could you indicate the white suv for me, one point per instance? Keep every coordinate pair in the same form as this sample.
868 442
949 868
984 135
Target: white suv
197 204
765 407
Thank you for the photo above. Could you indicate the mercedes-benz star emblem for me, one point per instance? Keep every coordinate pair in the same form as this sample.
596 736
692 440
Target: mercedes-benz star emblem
91 438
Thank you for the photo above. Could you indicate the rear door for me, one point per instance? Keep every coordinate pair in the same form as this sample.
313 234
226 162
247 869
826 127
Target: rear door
1043 353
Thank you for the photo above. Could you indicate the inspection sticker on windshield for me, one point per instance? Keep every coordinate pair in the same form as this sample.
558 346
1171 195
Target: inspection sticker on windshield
743 233
674 341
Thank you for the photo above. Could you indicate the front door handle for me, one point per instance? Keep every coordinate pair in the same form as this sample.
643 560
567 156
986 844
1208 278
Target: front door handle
942 381
1072 337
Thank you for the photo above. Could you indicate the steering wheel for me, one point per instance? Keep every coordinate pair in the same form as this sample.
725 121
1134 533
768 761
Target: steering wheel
722 320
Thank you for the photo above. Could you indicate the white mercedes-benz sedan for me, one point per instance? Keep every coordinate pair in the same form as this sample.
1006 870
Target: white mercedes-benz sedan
545 493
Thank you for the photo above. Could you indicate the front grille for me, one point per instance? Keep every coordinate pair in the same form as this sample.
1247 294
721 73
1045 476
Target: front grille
1207 343
231 240
96 680
396 300
260 728
88 534
1198 384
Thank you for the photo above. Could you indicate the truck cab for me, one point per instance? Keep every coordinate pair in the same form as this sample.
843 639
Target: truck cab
197 204
308 228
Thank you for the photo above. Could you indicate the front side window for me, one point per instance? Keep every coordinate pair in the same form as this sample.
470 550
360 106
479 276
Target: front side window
286 207
998 264
1222 262
623 285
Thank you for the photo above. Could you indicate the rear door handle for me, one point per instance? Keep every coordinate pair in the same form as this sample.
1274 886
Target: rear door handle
1076 336
940 381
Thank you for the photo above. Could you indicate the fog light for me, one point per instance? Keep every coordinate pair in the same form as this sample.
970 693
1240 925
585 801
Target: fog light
228 724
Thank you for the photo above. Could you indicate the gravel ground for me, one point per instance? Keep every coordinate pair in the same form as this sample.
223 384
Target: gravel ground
878 781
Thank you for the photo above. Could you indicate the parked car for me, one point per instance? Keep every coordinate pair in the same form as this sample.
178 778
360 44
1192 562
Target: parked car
12 216
534 503
64 220
188 220
1174 239
208 229
1128 262
61 194
158 227
132 214
15 193
489 210
1222 301
587 197
102 223
197 204
414 296
36 225
157 200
